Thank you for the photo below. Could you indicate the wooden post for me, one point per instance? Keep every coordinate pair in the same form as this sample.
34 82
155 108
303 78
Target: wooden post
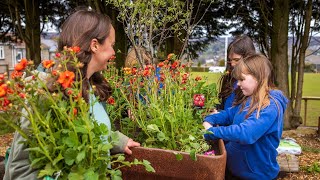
319 126
305 112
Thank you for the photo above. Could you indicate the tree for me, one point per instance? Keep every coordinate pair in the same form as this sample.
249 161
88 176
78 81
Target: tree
267 22
300 26
28 13
149 23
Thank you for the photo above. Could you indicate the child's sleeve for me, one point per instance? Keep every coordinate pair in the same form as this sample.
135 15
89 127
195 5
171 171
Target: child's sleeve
250 130
224 117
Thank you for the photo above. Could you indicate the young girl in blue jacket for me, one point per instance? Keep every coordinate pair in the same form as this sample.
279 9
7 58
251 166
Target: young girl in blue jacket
241 47
253 126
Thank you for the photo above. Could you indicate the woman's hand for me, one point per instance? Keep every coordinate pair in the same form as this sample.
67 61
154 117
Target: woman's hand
129 145
206 125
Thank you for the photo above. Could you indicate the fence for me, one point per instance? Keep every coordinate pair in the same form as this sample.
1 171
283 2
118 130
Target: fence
306 98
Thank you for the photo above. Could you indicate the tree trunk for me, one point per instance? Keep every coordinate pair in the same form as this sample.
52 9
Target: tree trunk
304 46
279 50
33 31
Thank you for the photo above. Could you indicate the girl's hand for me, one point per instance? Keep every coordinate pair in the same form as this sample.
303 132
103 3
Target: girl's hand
206 125
214 111
130 144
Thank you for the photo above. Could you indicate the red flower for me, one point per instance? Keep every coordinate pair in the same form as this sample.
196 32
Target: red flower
198 78
75 49
22 95
58 55
146 72
112 58
3 90
162 77
69 92
54 72
134 71
198 100
48 63
175 65
4 103
2 77
66 79
111 100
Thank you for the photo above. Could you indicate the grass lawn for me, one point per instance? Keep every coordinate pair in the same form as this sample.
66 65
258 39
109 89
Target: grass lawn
311 87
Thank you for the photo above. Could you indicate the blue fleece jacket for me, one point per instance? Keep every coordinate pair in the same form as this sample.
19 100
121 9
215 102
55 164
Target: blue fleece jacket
251 152
229 100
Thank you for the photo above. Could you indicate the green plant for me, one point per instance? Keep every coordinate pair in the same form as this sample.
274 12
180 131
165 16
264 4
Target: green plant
313 168
61 136
162 109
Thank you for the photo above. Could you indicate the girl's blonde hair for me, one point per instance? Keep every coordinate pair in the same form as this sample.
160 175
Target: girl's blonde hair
260 68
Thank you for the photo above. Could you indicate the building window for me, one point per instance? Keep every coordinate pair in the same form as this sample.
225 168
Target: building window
1 52
19 55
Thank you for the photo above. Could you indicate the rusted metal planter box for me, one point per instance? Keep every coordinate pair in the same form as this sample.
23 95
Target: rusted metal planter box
168 167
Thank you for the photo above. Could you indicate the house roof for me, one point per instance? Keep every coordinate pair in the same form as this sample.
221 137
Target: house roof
314 59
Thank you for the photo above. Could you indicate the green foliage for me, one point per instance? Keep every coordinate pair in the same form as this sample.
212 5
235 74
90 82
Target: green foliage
313 168
62 137
162 111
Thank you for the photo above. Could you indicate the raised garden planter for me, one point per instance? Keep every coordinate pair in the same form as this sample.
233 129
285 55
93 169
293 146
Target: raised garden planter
168 167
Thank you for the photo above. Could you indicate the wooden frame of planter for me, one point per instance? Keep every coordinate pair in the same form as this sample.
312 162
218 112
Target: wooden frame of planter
167 166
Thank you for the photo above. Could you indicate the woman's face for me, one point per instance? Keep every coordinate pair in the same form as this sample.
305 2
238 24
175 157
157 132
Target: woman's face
234 59
101 53
248 84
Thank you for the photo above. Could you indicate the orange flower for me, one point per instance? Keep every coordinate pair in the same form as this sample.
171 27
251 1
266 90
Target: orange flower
161 64
111 100
75 111
48 63
22 65
16 74
75 49
170 56
3 90
66 79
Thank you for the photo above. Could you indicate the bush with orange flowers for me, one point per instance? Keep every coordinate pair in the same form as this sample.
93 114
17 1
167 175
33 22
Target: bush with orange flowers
63 140
155 105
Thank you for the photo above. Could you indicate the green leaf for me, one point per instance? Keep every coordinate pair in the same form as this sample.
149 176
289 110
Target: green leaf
57 159
193 155
161 136
91 175
70 156
179 156
81 130
81 155
153 128
36 161
75 176
148 166
121 158
191 137
116 175
48 170
71 140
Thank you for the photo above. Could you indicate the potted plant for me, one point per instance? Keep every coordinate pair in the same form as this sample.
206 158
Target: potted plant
63 140
162 107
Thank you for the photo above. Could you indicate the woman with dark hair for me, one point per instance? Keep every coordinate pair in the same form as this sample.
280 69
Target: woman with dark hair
241 47
94 35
